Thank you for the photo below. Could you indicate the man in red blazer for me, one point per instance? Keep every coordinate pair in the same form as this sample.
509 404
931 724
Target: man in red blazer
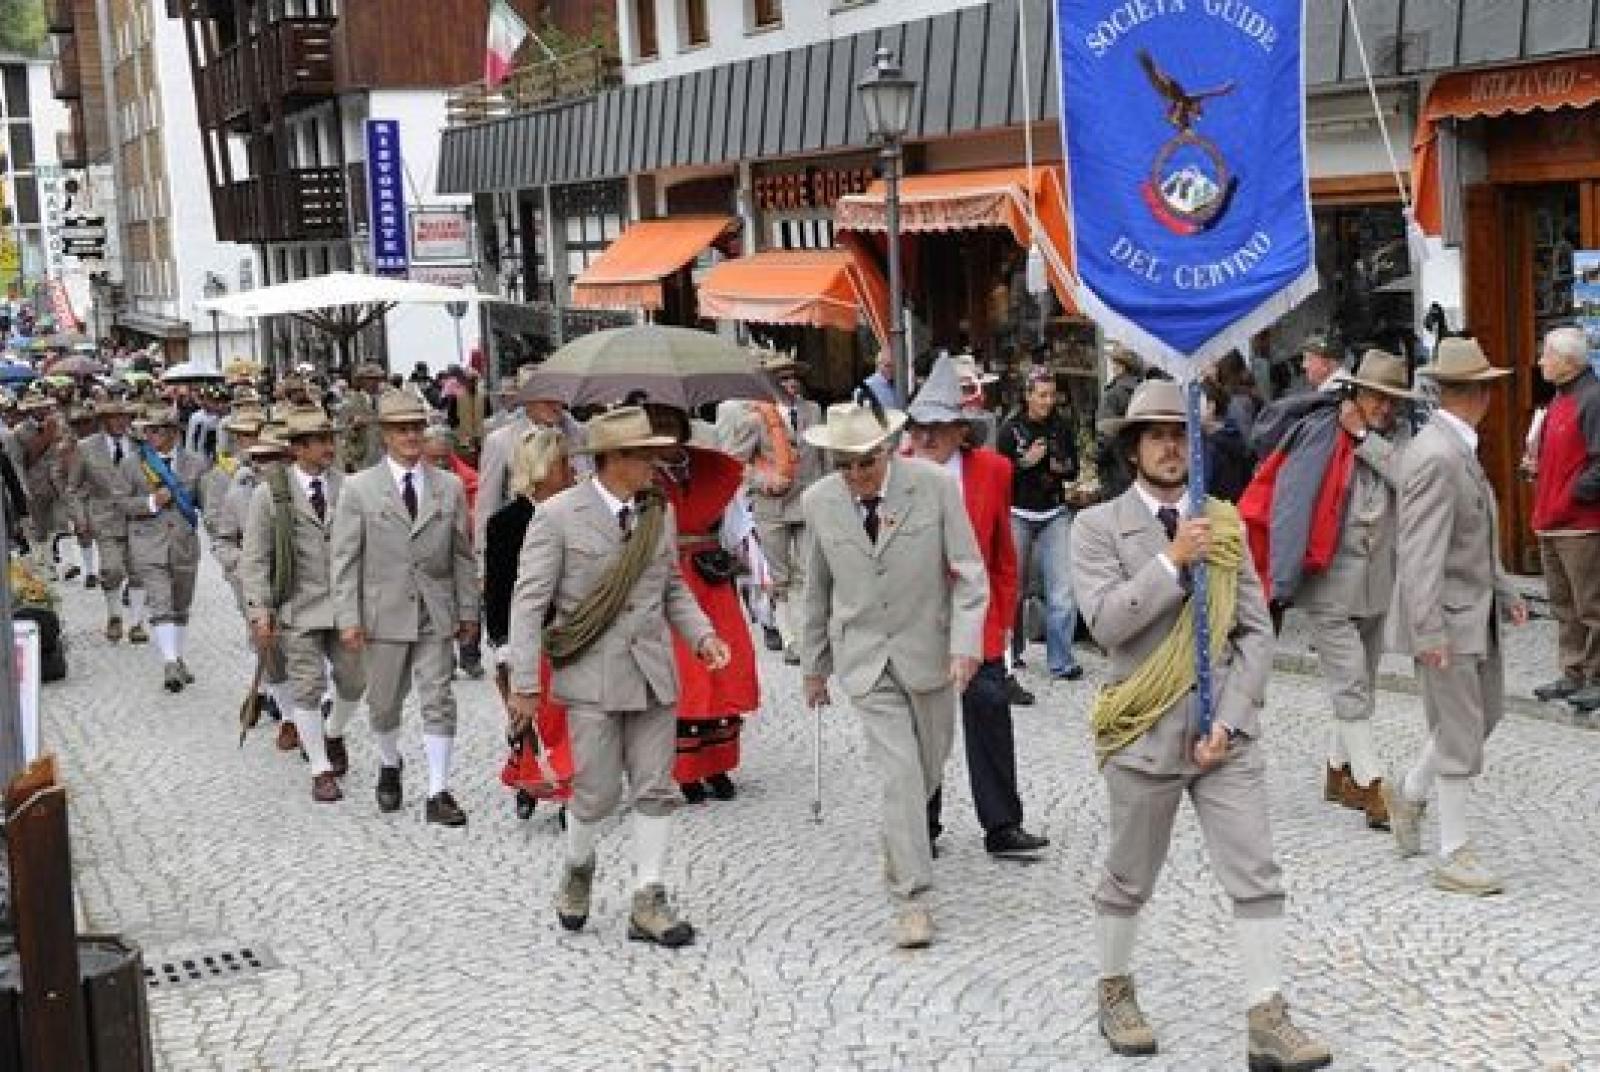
939 428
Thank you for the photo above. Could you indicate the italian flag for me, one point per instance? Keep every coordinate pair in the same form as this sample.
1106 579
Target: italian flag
507 31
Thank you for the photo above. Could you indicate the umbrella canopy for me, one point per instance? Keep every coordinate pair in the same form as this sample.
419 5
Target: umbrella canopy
12 372
191 372
74 365
678 367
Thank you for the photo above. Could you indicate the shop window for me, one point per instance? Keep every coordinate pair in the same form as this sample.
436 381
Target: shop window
766 14
696 30
645 46
16 89
27 199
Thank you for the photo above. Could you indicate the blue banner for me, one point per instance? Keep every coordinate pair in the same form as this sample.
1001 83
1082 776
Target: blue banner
1184 125
386 195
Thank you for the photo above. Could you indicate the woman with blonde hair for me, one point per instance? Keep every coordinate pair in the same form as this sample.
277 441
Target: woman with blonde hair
540 468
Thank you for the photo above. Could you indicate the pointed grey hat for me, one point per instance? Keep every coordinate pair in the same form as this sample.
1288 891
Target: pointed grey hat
939 401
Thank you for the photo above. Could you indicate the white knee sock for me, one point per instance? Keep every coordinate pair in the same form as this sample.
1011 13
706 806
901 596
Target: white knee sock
283 695
1261 949
1356 735
136 605
785 622
1420 780
651 835
343 711
309 723
1338 754
91 559
1116 936
113 604
438 748
166 644
388 742
1452 813
581 837
180 638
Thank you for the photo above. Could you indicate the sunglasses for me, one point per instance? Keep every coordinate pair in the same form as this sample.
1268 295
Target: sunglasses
851 463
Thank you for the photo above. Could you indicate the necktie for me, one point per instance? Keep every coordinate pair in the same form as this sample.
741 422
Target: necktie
408 492
1168 516
116 451
625 520
869 519
318 502
794 420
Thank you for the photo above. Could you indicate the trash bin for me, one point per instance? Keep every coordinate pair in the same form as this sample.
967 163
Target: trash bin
115 1009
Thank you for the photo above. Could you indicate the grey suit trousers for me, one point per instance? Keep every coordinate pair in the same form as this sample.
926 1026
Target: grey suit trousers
1349 650
113 562
171 591
307 655
908 737
783 545
607 745
1230 802
1463 703
393 666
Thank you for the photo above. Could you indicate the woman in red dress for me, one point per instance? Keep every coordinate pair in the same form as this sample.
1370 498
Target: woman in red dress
700 482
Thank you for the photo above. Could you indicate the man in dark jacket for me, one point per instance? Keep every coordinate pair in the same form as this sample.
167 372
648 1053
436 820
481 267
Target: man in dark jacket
1566 515
1126 375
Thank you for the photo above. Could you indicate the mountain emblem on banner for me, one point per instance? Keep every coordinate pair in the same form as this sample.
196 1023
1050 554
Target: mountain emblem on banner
1189 186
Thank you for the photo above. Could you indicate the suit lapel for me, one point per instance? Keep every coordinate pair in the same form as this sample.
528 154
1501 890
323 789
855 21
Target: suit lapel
900 501
849 517
598 511
1136 523
427 497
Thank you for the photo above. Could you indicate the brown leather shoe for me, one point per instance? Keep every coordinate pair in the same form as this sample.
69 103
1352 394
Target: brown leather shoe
114 629
1333 786
138 635
338 756
1377 811
1353 796
288 736
325 789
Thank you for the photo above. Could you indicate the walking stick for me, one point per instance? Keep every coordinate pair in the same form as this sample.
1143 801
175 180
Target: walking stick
816 766
250 710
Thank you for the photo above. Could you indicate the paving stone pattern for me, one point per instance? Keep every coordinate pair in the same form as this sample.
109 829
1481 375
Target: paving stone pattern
406 947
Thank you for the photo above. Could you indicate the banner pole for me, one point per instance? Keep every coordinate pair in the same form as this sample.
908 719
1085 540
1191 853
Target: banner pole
1198 578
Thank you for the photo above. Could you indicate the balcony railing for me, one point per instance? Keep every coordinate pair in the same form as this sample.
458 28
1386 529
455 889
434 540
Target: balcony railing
305 204
533 86
290 60
72 150
66 78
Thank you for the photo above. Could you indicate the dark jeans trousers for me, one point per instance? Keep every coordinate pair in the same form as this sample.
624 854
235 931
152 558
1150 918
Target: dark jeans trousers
991 753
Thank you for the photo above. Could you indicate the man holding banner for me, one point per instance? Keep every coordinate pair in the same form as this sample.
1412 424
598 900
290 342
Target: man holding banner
1191 232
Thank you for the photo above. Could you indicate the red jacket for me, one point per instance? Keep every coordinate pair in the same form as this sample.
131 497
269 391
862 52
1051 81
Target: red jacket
986 487
1566 493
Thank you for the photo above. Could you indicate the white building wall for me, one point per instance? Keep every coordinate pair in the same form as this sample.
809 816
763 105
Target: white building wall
733 36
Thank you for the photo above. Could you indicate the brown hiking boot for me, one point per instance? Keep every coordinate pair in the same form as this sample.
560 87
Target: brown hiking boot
653 919
1277 1045
113 629
1333 785
913 927
288 736
1121 1020
1377 811
138 635
572 896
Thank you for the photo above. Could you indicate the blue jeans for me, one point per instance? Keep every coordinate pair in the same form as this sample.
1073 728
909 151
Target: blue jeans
1048 541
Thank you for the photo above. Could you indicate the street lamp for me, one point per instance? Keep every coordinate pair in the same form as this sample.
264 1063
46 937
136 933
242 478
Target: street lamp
457 310
213 289
886 97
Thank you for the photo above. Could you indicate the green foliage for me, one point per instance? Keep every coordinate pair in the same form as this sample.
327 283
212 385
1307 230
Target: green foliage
22 26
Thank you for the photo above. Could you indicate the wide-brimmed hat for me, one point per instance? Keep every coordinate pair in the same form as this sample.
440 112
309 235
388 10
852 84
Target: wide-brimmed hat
158 417
115 407
623 428
36 401
1383 372
939 399
83 411
1153 402
269 444
401 407
778 365
368 370
306 421
1461 360
245 422
855 428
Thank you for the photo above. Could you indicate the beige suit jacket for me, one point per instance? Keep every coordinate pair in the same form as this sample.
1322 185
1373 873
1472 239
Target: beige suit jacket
391 573
907 603
150 535
755 444
1359 582
310 603
494 469
571 544
1449 560
1131 600
104 487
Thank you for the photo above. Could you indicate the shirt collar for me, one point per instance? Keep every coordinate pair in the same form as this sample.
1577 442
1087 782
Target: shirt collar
399 472
1155 505
1468 434
306 478
888 475
614 504
956 464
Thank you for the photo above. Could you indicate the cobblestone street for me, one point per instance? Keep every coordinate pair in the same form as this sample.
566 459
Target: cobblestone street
389 944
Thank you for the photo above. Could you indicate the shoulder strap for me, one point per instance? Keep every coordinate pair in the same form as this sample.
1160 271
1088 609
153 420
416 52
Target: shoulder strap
282 535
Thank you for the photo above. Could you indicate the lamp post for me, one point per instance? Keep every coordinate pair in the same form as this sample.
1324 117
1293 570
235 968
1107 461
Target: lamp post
886 97
215 288
457 310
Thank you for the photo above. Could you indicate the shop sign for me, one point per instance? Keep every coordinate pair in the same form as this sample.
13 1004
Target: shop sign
811 188
445 275
386 192
441 235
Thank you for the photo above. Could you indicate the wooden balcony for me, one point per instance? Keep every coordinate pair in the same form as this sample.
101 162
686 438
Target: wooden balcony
66 78
59 16
306 204
537 85
289 64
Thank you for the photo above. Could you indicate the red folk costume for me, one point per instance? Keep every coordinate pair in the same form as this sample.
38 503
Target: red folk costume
711 704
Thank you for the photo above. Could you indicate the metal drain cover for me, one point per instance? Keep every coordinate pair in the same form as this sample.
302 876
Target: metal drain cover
219 967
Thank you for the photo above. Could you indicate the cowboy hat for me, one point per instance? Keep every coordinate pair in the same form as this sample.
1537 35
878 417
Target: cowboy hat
306 421
116 407
368 370
401 407
855 428
1153 402
35 401
244 422
1460 360
939 400
158 416
269 445
623 428
1383 372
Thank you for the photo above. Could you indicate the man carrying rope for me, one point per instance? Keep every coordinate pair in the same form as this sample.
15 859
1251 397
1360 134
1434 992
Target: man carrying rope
1131 560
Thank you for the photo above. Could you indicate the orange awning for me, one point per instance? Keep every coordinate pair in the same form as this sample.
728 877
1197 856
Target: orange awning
811 287
1543 87
973 200
628 274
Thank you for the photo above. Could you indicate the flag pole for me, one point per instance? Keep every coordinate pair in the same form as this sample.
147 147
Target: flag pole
1198 579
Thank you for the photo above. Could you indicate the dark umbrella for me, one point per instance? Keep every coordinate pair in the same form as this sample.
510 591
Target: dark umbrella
74 365
13 372
678 367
